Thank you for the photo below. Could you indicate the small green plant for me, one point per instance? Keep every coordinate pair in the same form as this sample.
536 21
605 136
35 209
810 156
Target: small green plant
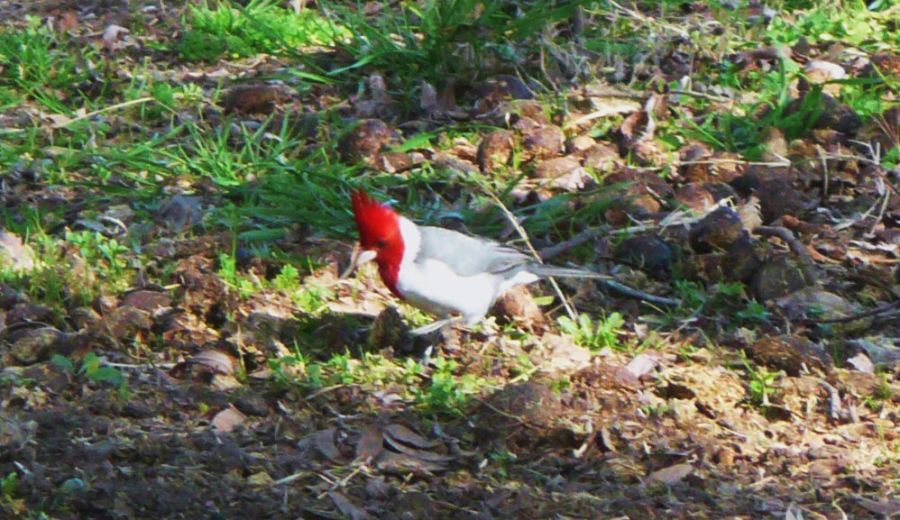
447 392
761 382
92 369
8 485
105 255
595 336
754 311
230 274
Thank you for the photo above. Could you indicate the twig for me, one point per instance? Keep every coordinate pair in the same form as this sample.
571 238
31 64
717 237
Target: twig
834 402
884 309
521 231
794 243
124 104
580 238
290 478
703 95
639 295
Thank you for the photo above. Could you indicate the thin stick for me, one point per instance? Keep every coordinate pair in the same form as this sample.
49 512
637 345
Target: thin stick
521 231
110 108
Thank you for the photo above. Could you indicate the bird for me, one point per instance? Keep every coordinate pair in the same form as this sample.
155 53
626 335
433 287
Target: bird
452 275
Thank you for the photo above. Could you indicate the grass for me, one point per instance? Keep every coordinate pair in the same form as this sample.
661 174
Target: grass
229 29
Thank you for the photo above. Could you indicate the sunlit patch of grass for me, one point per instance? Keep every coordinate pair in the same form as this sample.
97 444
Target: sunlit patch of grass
35 64
261 26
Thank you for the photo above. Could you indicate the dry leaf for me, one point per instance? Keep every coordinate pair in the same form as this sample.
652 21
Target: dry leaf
672 474
216 360
14 254
862 363
228 419
346 507
888 508
324 442
370 444
401 463
405 435
111 36
642 365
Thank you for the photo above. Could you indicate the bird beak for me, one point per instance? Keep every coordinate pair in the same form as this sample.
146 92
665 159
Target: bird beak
360 257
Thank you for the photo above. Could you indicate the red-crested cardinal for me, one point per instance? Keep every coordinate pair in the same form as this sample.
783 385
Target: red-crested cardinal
441 271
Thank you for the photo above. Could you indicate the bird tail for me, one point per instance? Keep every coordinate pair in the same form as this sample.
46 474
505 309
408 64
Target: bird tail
546 271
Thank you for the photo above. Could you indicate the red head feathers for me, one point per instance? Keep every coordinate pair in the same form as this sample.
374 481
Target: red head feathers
379 232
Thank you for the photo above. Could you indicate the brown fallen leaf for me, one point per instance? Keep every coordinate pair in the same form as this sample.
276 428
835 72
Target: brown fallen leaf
215 360
346 507
408 436
370 444
400 463
862 363
228 419
14 254
427 456
672 474
111 36
642 365
324 442
888 508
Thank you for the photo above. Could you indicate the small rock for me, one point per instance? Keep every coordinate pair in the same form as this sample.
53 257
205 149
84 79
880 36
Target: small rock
779 277
695 197
254 99
556 167
543 142
145 300
252 405
648 253
561 354
790 353
28 313
834 114
718 230
179 212
579 145
389 330
603 158
640 196
820 71
814 302
379 489
37 345
776 146
365 141
884 64
695 163
518 306
15 255
495 150
533 402
778 198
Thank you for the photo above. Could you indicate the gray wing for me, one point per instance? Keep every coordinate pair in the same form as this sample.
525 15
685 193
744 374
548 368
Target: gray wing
467 255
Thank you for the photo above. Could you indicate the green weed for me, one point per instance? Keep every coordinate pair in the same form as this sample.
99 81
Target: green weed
33 62
260 26
596 336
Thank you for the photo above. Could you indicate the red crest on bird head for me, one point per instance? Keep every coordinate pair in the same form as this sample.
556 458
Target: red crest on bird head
375 221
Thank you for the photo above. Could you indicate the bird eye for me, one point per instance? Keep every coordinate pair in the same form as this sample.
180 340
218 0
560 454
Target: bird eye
381 244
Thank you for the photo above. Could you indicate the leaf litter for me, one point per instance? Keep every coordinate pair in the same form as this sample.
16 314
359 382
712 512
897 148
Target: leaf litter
770 391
